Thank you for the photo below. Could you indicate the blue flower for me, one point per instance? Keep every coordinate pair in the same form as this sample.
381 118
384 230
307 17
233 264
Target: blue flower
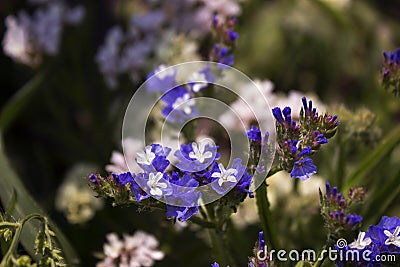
303 169
386 235
223 179
254 134
93 178
128 177
183 193
161 79
154 183
286 119
180 106
153 158
353 219
198 81
137 191
196 157
223 56
123 178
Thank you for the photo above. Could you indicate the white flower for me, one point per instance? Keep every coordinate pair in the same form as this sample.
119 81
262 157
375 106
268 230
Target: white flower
361 243
75 199
145 157
137 250
393 239
184 103
154 184
198 151
16 43
225 175
163 71
119 163
199 81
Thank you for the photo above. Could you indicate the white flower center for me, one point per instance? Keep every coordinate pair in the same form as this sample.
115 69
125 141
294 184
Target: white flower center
361 243
224 175
145 157
198 151
161 72
154 184
184 103
393 239
199 81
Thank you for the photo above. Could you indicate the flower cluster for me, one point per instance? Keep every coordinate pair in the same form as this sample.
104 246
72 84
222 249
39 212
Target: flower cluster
30 37
335 210
225 37
391 71
299 139
129 52
197 166
139 249
383 238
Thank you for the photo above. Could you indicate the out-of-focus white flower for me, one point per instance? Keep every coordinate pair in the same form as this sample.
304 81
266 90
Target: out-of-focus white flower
119 163
137 250
16 43
247 213
255 108
74 198
281 186
29 37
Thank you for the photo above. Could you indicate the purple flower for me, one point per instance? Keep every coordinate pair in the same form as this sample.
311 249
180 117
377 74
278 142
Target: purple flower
198 81
303 169
286 119
161 79
93 178
154 183
223 56
224 179
254 134
196 157
123 178
180 106
184 194
386 235
153 158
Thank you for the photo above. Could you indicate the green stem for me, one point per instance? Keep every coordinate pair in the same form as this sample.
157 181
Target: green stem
265 214
14 243
341 161
320 260
202 223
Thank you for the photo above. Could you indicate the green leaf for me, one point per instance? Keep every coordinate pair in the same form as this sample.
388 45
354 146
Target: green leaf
26 205
381 200
11 206
18 102
303 264
373 159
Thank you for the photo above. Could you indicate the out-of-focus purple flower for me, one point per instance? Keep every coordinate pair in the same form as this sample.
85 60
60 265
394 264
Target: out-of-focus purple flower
161 79
254 134
28 38
180 106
